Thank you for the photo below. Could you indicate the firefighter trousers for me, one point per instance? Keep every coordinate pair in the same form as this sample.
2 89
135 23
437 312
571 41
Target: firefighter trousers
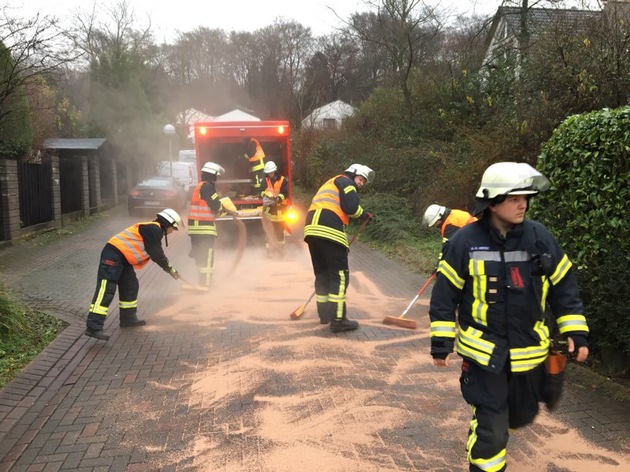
113 271
499 401
202 251
332 276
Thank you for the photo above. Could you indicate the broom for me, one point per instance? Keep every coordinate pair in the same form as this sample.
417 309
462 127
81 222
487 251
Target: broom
295 314
400 320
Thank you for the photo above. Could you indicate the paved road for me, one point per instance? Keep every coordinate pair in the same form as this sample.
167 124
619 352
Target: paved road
225 381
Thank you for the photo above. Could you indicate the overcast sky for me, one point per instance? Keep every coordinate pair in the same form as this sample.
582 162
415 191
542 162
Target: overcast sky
167 17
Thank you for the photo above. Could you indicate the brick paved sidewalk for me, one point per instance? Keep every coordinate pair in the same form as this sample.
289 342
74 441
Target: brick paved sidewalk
226 381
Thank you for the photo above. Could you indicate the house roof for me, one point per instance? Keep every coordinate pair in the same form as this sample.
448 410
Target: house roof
78 143
235 115
542 19
333 110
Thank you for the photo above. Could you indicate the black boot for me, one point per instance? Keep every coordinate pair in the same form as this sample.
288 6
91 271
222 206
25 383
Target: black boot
344 324
94 327
129 321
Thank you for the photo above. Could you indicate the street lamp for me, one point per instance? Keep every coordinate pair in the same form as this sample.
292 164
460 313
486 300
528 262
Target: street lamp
169 130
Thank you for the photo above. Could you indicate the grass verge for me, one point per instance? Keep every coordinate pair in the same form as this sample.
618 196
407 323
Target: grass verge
23 335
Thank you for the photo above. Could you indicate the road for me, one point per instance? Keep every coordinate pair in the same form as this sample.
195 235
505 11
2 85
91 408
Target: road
226 381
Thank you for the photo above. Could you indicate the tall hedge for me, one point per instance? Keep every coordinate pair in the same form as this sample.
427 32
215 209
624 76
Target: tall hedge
588 162
16 130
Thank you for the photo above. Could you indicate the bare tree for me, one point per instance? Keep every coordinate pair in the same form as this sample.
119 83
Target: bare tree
35 46
405 29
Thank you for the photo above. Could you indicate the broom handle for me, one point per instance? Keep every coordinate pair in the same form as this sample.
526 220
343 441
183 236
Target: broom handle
420 292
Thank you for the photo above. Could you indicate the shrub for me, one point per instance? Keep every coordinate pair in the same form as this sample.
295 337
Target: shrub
587 160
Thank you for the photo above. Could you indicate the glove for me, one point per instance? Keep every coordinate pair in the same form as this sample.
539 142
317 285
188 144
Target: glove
173 273
369 216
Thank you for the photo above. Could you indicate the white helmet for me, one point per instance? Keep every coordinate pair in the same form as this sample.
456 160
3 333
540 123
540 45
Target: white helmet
363 171
270 167
212 168
511 178
171 217
433 213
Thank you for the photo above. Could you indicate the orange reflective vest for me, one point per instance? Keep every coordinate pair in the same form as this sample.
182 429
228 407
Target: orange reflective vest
457 218
200 215
274 188
131 244
258 159
327 198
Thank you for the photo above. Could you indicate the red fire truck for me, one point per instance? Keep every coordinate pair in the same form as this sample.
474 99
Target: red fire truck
236 145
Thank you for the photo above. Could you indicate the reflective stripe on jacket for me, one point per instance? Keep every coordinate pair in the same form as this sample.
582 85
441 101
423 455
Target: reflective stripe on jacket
500 293
200 216
275 212
131 244
258 159
331 209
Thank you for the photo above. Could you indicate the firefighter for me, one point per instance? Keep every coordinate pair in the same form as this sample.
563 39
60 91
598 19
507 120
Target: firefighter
256 158
275 204
331 209
124 252
498 275
204 207
447 220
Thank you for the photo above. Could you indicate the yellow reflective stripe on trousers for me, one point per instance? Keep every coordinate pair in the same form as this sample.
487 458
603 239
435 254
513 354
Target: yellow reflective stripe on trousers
321 298
451 274
443 329
569 323
96 306
492 464
477 269
339 298
131 304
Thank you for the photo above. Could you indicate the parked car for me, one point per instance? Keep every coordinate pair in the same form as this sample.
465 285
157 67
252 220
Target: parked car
184 172
156 193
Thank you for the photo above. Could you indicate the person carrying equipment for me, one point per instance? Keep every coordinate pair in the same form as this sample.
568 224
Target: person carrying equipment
204 207
125 252
275 205
494 284
331 209
256 157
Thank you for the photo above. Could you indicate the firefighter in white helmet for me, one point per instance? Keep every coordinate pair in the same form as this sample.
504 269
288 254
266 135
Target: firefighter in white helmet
332 207
205 205
494 283
448 221
275 206
125 252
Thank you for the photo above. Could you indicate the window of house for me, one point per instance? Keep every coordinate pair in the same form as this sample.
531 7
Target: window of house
330 123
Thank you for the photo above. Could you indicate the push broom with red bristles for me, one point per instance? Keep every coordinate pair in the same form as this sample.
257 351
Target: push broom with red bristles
401 320
295 314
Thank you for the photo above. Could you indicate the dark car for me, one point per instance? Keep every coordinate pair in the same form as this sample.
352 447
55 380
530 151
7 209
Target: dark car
156 193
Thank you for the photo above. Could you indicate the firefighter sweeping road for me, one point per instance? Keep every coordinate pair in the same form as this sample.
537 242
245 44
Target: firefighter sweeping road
224 380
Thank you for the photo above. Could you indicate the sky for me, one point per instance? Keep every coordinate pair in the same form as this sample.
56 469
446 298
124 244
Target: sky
168 17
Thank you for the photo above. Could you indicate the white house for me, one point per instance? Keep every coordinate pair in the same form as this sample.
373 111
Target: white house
191 116
329 116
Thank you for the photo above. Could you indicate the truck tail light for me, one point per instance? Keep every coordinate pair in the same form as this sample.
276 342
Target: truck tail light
291 216
281 130
202 130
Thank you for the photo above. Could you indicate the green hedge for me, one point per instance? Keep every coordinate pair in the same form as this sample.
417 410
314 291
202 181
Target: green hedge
587 160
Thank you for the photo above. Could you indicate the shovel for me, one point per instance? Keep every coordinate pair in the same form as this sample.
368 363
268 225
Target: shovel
401 320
